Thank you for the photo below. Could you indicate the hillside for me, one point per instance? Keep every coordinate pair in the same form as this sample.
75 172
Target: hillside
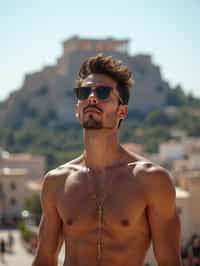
62 143
39 117
48 93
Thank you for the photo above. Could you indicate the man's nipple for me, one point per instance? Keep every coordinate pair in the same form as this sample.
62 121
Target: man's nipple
70 221
125 222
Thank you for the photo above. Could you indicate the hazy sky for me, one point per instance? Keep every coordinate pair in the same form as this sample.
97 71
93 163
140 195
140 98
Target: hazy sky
31 33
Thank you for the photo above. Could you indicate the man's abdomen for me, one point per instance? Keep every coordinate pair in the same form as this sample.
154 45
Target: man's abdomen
107 252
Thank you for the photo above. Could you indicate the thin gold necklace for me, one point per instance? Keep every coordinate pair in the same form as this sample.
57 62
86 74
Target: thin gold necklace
100 199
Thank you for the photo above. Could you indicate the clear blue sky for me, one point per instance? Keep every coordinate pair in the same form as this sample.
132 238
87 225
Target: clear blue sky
31 33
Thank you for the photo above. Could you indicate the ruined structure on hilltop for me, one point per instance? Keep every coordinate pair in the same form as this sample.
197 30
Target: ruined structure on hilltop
49 92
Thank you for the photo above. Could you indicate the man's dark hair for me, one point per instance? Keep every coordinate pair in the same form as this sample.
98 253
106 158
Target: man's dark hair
115 69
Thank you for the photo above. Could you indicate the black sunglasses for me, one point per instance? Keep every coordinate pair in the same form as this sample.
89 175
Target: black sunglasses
101 92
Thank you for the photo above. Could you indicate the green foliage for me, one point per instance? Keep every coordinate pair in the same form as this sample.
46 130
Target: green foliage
192 101
60 143
26 234
176 97
32 204
158 117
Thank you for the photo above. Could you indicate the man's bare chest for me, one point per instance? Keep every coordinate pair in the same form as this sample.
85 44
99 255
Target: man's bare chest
115 201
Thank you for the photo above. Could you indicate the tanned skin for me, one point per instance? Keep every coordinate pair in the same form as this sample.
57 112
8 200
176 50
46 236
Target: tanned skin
139 198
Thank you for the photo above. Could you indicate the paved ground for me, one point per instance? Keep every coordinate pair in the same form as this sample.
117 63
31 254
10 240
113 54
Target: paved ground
20 257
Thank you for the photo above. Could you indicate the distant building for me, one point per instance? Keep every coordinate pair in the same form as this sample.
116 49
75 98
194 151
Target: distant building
171 150
110 45
178 134
34 165
194 161
187 174
34 186
179 148
190 180
16 171
12 192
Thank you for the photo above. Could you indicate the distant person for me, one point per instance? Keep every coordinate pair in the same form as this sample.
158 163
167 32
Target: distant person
185 255
108 204
194 251
10 241
2 250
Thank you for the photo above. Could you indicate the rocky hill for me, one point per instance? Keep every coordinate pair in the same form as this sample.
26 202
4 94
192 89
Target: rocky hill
49 93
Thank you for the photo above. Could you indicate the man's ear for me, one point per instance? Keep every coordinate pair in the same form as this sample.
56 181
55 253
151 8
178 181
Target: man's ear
123 111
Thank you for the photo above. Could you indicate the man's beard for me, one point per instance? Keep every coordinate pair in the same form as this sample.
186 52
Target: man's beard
91 123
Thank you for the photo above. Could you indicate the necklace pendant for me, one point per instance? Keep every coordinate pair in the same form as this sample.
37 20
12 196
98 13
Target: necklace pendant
100 214
99 250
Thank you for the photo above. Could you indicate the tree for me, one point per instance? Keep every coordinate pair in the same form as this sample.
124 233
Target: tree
176 97
32 204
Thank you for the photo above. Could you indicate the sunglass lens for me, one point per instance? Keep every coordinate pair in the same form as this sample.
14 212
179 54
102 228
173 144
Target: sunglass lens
82 93
103 92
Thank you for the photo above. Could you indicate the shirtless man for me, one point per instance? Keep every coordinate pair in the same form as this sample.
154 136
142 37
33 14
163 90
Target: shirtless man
108 204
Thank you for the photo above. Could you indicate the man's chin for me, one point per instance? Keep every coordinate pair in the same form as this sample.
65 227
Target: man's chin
92 125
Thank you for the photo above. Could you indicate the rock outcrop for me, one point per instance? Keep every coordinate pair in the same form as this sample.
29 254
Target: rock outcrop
49 93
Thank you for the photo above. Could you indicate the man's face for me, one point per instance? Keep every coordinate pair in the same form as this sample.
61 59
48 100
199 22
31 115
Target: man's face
95 113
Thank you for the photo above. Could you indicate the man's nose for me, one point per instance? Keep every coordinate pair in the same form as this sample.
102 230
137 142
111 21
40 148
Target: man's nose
92 99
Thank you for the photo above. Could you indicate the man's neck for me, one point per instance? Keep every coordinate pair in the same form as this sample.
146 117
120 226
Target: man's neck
101 150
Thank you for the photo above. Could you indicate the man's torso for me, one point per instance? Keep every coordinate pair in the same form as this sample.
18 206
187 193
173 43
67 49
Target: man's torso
104 215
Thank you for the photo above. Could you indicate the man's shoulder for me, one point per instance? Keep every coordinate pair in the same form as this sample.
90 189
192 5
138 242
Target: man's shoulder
143 166
60 173
158 187
155 178
147 168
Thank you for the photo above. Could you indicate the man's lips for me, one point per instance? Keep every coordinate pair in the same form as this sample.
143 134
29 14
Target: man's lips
92 109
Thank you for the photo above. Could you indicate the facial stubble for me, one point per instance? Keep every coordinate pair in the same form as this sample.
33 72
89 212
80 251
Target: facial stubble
94 124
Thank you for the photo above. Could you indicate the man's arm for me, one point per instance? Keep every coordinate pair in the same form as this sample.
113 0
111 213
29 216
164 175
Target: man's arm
163 219
49 239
